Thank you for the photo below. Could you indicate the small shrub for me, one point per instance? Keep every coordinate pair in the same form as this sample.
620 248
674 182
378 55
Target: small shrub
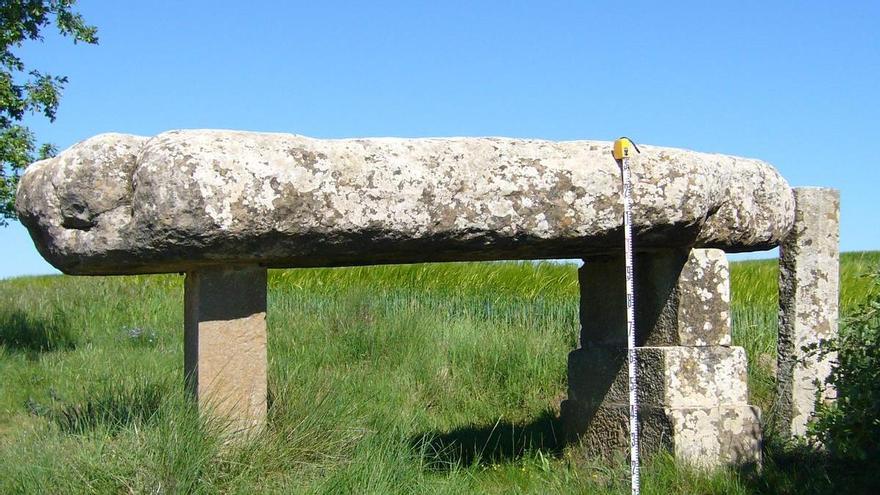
849 428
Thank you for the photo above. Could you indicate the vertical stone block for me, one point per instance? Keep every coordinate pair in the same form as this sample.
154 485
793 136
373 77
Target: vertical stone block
808 305
225 344
703 306
682 298
674 376
603 299
693 390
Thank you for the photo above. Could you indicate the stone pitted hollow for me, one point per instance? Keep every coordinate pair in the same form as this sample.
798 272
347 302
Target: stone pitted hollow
122 204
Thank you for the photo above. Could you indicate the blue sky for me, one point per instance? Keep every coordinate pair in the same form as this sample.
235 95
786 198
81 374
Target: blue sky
793 83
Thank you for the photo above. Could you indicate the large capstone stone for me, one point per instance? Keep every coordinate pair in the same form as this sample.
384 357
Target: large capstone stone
118 204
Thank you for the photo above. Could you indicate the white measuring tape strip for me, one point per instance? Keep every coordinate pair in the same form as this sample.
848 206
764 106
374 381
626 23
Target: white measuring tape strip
622 152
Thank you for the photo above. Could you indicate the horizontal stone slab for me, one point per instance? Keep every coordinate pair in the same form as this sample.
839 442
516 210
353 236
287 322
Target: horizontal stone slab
118 204
667 376
703 437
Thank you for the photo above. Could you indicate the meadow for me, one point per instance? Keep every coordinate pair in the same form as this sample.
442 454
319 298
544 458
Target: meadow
435 378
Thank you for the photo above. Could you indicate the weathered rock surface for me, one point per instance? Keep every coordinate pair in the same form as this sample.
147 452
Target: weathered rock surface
675 376
117 204
692 385
704 437
683 299
809 292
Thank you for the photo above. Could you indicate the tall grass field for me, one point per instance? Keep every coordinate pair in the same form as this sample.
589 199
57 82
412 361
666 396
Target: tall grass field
435 378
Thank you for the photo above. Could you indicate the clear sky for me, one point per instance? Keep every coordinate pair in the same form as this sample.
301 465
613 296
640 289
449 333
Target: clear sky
793 83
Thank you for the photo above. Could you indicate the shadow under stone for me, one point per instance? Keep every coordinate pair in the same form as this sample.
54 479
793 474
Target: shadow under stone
801 469
491 443
32 334
110 407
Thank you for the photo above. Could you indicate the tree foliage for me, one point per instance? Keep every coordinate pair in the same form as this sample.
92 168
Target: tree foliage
25 91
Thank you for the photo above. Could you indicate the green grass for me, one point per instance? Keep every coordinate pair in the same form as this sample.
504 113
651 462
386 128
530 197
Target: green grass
438 378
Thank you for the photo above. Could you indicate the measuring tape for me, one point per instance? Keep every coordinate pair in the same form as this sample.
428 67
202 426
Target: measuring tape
622 152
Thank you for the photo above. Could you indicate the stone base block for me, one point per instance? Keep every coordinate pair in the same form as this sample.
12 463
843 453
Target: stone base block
701 436
668 376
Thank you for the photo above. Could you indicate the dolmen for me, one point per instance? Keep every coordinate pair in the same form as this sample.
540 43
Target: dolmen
224 206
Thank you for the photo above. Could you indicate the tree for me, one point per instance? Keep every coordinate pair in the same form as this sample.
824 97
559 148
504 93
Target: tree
24 91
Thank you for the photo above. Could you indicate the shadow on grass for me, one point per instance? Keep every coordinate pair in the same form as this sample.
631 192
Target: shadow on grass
32 334
491 443
807 470
110 407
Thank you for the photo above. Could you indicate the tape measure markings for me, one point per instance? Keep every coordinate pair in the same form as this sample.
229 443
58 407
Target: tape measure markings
621 153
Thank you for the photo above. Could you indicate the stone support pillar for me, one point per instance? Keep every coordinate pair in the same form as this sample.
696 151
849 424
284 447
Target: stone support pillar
808 305
225 344
692 383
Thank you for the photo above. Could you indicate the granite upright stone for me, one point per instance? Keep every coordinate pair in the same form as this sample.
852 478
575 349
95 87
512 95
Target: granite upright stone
225 344
693 395
683 299
809 287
